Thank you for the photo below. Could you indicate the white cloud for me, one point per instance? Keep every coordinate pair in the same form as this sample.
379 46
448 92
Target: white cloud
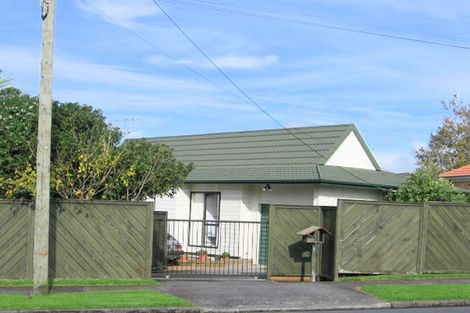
126 12
245 62
111 75
398 162
237 62
24 62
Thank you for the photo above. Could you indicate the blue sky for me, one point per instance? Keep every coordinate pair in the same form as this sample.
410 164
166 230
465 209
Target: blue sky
303 75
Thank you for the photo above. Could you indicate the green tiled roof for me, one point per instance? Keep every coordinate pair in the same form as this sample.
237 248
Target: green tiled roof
273 156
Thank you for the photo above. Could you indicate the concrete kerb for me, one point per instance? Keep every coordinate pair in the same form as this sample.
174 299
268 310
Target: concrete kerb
429 304
385 305
336 308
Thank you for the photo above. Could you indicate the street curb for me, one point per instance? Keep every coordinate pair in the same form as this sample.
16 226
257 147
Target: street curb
429 304
302 309
384 305
132 310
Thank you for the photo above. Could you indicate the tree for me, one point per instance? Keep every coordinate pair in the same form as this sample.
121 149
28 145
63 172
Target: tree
88 160
144 168
86 157
422 186
449 148
18 135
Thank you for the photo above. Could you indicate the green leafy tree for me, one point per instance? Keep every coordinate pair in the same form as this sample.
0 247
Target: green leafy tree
449 147
88 160
146 170
18 133
422 186
85 157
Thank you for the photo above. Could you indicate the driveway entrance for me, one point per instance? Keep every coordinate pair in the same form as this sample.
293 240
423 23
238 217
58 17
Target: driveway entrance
202 248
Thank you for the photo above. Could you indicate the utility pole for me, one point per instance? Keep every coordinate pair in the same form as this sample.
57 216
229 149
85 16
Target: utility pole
41 223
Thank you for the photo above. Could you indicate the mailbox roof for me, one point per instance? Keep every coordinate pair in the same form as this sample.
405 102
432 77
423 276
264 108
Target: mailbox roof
312 229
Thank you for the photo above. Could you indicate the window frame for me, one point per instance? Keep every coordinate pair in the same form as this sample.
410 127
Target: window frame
204 220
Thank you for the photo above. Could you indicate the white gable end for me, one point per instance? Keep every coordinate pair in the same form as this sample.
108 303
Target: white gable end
351 154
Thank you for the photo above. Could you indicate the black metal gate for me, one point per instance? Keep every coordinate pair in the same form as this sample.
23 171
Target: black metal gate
186 248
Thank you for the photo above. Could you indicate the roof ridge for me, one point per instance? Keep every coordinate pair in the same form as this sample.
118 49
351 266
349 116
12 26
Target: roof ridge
253 131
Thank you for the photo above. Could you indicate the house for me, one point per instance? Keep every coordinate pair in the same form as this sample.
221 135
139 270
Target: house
238 175
460 177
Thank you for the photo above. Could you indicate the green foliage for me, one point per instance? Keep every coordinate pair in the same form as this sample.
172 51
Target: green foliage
18 133
18 129
146 170
449 147
87 159
422 186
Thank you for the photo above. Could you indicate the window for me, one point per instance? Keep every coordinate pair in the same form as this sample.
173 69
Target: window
204 219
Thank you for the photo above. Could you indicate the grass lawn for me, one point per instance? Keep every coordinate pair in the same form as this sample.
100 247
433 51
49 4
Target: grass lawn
79 282
419 292
92 299
402 277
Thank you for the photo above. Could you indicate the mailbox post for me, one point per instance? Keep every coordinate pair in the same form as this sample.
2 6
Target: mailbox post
313 235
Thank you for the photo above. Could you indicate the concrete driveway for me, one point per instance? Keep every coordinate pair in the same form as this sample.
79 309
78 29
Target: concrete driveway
260 295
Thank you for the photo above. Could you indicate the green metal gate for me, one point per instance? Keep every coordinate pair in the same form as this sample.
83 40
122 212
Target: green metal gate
181 248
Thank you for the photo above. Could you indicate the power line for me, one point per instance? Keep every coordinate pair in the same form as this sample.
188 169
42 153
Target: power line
168 55
230 5
252 101
317 24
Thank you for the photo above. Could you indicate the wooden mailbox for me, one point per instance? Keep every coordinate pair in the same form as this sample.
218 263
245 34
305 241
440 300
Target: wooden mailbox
314 235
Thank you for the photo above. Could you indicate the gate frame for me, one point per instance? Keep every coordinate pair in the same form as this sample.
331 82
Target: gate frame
202 271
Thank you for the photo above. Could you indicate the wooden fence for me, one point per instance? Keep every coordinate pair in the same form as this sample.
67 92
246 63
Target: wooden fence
385 237
97 239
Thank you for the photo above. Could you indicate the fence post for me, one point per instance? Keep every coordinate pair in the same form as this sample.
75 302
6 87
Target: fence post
423 232
338 238
270 242
149 240
29 253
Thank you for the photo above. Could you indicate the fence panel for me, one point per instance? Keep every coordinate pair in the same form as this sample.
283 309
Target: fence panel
448 238
386 237
15 243
101 239
374 237
98 239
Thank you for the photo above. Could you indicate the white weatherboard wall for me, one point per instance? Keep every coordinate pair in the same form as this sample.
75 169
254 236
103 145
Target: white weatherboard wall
328 195
351 154
242 202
